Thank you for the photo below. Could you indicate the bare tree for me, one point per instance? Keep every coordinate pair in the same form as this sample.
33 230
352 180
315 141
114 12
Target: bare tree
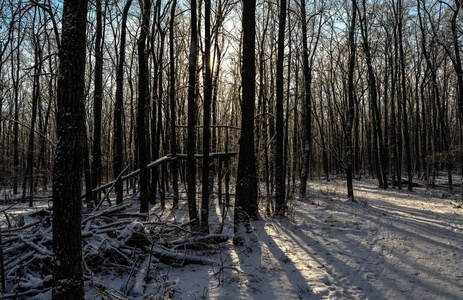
67 170
246 180
141 107
192 113
173 137
119 106
97 98
351 103
206 117
279 170
307 64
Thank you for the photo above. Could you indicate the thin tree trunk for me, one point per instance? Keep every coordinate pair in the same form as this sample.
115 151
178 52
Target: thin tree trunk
173 133
279 172
141 108
118 154
192 112
97 170
307 113
16 79
351 104
35 102
406 134
377 131
206 118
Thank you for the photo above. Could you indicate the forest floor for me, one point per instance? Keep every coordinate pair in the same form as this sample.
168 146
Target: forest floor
390 245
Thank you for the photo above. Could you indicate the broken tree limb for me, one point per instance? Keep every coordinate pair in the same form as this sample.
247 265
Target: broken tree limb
110 189
151 165
158 162
105 212
211 155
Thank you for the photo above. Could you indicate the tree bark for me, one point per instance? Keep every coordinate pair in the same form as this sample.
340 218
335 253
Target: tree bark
246 180
307 113
406 134
351 103
70 120
173 137
380 160
192 112
279 171
118 154
141 107
206 118
97 169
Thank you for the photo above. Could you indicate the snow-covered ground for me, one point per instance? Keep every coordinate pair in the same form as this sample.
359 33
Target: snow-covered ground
391 245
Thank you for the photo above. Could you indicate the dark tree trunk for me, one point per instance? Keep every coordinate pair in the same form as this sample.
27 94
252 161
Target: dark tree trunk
351 103
206 118
89 200
246 181
173 133
159 141
263 104
118 154
307 113
279 171
457 60
154 113
398 113
192 107
35 102
68 281
141 108
380 159
406 134
16 79
97 170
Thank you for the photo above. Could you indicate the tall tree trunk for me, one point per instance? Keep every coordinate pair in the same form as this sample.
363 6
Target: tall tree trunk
192 112
457 59
68 281
279 172
380 160
160 174
118 154
141 108
97 170
406 134
154 111
246 180
351 103
35 102
206 118
396 113
16 82
307 113
173 133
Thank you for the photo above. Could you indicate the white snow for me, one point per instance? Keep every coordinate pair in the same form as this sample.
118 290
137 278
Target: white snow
391 245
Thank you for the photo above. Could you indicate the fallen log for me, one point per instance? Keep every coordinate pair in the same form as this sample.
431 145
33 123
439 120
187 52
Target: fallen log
177 259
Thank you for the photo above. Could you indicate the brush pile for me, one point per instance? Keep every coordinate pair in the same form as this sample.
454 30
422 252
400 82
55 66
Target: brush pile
117 241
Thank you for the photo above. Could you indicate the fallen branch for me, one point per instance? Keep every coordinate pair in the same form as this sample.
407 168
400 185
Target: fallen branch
151 165
178 259
106 212
199 241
